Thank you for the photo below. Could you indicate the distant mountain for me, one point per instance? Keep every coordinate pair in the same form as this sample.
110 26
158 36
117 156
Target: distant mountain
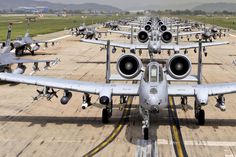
13 4
173 6
211 7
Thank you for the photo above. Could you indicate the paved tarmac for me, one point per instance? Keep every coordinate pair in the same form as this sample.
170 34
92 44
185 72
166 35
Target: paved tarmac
47 128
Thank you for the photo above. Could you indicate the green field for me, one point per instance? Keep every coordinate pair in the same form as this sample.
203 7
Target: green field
223 21
47 24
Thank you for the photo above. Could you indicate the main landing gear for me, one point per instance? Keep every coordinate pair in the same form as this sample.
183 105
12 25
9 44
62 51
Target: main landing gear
184 103
107 113
199 113
220 102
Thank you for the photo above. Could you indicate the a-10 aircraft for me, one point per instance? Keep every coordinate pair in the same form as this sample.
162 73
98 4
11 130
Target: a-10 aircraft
153 89
7 59
153 43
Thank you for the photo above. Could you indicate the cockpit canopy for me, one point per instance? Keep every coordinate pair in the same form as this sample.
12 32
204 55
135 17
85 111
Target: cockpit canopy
19 38
153 73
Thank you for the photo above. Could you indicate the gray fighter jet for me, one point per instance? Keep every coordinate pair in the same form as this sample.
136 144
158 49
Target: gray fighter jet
27 44
153 88
7 59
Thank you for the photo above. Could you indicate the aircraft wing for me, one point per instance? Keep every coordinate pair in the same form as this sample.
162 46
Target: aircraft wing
120 45
123 32
73 85
210 89
190 45
8 58
188 33
40 42
130 27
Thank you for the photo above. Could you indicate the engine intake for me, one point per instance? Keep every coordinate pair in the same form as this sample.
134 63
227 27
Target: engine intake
179 66
143 36
163 28
166 37
149 22
160 23
148 28
129 66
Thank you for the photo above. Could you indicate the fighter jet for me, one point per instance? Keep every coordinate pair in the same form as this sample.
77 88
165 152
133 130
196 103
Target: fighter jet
153 88
112 25
153 43
27 43
90 33
79 31
7 59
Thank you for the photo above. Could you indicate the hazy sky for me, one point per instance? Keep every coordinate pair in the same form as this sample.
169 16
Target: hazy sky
123 4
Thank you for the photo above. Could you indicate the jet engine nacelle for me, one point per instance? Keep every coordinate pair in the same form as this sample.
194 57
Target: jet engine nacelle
66 98
36 47
166 37
143 36
160 23
148 28
163 28
179 66
20 69
149 22
129 66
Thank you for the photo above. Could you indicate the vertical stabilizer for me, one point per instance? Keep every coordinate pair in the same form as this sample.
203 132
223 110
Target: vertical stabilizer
8 40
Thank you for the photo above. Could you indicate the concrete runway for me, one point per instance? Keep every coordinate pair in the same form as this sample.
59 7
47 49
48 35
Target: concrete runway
46 128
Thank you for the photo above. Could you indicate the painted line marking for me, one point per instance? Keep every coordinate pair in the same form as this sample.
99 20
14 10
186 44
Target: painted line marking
59 38
146 148
176 134
158 142
232 35
200 143
115 132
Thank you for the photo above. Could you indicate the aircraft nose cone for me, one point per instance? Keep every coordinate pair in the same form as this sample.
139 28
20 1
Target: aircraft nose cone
155 47
153 101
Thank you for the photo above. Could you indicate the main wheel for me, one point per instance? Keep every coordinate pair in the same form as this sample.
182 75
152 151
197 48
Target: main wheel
32 53
196 110
18 52
104 116
145 133
201 117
